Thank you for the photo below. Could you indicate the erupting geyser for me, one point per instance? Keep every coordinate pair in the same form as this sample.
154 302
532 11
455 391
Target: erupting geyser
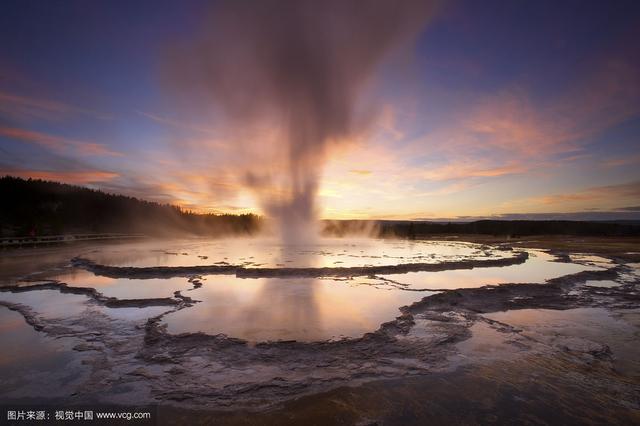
287 75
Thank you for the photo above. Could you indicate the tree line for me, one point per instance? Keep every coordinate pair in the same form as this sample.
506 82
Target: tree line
33 207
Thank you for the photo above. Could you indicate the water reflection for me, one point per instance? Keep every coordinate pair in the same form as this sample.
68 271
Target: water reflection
302 309
266 309
305 309
35 366
537 269
259 252
124 288
48 303
618 330
282 310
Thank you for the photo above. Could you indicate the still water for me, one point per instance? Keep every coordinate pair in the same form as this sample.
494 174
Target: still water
271 253
261 309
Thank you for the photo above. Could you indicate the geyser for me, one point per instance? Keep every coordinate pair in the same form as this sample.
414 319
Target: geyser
298 69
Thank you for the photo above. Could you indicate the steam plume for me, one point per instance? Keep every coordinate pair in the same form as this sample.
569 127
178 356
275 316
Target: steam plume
297 68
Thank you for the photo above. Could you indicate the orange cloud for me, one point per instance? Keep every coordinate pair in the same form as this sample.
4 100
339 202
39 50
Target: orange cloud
360 172
465 170
57 143
627 192
73 177
596 197
42 139
507 125
448 189
194 190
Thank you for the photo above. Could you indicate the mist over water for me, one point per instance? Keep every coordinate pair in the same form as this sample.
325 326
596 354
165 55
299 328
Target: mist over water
287 76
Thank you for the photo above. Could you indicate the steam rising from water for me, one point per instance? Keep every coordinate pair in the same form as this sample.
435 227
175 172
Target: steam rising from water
296 68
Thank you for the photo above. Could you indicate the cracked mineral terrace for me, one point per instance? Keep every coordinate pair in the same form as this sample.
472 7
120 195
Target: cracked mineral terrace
197 326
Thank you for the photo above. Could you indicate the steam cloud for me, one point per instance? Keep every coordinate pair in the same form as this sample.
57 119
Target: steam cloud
297 68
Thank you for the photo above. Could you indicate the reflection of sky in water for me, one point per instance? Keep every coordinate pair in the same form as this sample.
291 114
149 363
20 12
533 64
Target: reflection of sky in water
23 340
312 309
616 330
124 288
288 308
268 253
48 303
54 304
537 269
294 308
32 364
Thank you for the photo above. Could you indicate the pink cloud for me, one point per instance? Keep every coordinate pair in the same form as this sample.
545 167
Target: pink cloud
23 106
627 191
467 169
621 161
58 143
72 177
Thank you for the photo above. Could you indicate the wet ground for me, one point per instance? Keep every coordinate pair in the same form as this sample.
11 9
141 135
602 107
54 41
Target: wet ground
345 331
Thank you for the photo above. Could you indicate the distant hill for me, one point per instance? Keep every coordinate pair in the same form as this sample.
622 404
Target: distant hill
37 207
513 228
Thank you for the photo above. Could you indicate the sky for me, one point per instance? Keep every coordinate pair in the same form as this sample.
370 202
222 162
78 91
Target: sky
505 109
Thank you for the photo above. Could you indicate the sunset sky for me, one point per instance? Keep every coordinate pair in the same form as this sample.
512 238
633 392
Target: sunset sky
511 109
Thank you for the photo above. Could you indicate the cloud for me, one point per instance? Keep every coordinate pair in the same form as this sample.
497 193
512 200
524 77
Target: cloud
596 198
360 172
621 161
193 189
58 143
177 124
72 177
492 136
514 129
451 188
26 107
470 169
608 193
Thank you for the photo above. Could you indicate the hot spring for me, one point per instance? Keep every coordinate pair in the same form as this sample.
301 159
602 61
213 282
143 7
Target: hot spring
267 291
215 322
